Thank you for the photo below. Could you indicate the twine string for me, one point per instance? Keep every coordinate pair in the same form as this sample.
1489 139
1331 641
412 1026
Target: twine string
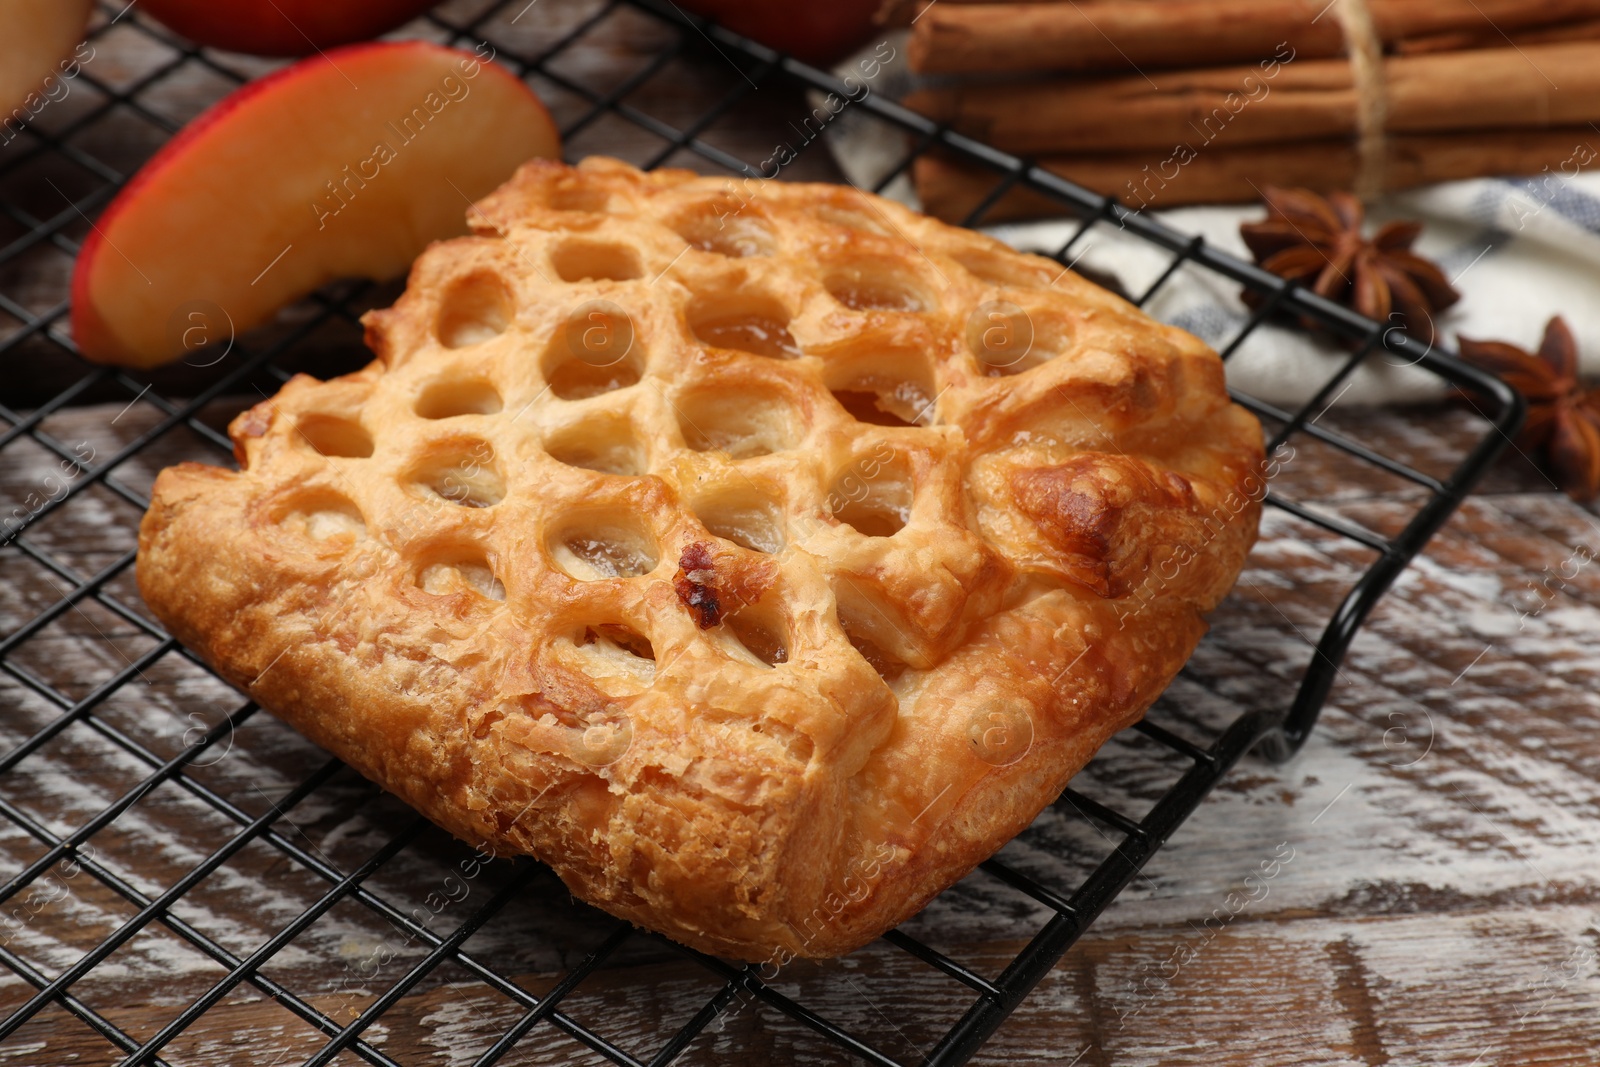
1372 101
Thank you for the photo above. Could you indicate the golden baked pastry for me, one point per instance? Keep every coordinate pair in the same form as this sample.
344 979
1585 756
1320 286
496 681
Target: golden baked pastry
761 556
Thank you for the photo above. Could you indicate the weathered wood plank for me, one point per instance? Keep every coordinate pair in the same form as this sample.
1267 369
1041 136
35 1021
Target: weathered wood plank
1443 822
1250 990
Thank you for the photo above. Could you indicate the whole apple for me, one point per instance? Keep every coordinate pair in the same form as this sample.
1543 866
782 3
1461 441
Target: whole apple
36 57
816 31
282 27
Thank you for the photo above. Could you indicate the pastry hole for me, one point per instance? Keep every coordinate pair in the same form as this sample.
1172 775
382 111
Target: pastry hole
605 444
451 397
328 524
888 666
323 516
868 405
878 287
741 423
595 550
591 261
476 308
726 226
624 638
1002 270
751 523
594 352
616 653
1007 339
459 573
579 198
333 436
622 645
577 380
759 325
873 497
764 638
894 389
462 473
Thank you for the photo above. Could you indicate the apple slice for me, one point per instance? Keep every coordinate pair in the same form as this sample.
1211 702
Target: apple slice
282 27
343 165
35 40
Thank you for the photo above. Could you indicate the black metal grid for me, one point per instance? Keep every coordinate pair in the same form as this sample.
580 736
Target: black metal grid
989 998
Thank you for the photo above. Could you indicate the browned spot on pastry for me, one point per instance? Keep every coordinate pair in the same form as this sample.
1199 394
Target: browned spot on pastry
1093 508
695 583
253 423
711 590
375 326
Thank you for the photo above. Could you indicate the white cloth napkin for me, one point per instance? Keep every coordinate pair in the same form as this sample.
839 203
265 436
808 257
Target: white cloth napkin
1519 250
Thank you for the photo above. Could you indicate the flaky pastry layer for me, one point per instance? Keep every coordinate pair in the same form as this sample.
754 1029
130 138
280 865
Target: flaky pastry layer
762 556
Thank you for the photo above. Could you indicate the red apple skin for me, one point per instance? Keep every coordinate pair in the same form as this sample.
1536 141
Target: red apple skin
818 32
98 339
282 27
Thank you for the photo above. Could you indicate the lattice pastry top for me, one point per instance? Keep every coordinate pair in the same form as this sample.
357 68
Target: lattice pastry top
761 556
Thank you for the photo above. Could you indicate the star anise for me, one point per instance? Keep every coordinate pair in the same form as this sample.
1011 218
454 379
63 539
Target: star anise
1318 242
1563 416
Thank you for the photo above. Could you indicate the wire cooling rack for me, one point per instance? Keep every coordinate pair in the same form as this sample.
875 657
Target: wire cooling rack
389 908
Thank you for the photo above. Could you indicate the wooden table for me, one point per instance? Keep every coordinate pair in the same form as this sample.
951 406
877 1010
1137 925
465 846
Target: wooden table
1435 897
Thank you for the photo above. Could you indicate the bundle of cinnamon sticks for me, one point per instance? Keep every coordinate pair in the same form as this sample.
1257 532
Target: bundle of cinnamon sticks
1171 102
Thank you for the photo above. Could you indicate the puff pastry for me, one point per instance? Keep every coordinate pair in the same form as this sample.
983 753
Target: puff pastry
761 556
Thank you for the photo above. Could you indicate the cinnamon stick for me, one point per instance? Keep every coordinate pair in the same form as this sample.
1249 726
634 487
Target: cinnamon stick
1488 37
902 13
1119 35
950 190
1276 102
